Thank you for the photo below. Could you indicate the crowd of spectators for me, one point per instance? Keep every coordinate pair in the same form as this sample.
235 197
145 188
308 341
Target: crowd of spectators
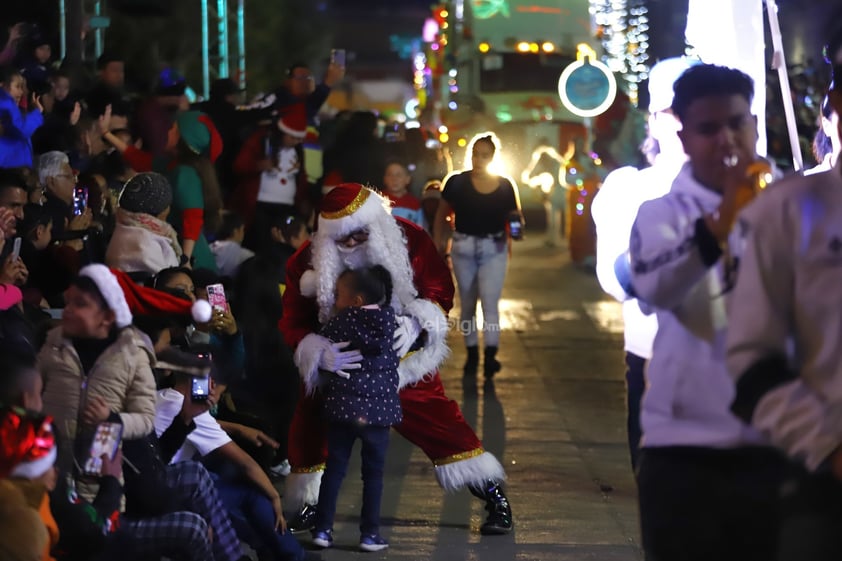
121 214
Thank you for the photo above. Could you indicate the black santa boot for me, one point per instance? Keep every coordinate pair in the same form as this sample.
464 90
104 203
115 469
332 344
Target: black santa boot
490 364
304 520
499 519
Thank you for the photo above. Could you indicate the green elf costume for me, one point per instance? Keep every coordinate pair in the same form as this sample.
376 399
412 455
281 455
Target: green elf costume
198 132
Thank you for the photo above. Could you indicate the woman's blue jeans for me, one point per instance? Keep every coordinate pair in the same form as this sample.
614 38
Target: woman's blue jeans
479 264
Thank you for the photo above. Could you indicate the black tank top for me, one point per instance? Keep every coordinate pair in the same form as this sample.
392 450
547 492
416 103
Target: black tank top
475 213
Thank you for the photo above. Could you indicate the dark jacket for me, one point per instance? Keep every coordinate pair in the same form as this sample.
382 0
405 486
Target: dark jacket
370 395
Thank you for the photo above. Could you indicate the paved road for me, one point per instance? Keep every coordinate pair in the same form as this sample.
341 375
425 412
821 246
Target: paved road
555 418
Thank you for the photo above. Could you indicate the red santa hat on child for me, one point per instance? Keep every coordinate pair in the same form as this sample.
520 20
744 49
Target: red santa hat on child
293 121
123 296
27 444
150 302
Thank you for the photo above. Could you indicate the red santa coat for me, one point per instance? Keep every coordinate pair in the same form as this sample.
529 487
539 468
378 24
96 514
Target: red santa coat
431 420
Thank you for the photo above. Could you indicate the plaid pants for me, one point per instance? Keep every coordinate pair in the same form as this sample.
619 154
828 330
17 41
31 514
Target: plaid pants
194 490
180 535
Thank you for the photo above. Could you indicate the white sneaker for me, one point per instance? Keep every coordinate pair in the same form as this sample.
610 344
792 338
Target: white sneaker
282 469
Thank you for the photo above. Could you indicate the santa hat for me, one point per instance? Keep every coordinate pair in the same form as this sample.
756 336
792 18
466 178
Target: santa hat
293 121
111 292
28 444
348 208
150 302
199 133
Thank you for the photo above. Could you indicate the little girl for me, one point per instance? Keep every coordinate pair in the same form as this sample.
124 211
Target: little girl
396 180
16 126
363 404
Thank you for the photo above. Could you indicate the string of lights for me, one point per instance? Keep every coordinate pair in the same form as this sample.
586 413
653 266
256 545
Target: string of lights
622 26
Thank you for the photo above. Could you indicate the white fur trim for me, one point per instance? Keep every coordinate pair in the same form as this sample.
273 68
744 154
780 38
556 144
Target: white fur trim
201 311
476 470
301 489
307 357
307 283
372 209
37 468
111 292
415 366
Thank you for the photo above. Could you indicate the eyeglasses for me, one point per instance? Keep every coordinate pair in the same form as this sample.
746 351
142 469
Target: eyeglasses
360 236
306 78
71 176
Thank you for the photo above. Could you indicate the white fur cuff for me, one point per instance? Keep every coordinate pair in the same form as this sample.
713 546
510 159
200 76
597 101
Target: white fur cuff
476 470
415 366
301 489
307 357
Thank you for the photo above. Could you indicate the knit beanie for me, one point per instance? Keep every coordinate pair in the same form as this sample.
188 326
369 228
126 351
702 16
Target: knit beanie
199 133
146 193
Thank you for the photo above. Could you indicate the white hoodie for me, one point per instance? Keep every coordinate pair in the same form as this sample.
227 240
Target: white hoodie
677 268
787 314
613 210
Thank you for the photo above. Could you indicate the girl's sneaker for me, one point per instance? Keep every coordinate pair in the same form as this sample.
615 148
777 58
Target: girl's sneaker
323 538
373 542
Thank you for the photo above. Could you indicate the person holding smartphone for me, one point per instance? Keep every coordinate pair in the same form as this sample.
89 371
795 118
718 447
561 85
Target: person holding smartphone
486 217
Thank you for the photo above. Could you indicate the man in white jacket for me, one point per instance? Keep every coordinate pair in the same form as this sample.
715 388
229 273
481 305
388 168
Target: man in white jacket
614 210
707 483
783 347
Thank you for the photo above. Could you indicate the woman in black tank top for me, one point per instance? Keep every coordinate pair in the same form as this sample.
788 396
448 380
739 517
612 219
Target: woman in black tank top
482 205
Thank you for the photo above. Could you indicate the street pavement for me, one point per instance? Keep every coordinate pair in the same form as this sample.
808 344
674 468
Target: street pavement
554 416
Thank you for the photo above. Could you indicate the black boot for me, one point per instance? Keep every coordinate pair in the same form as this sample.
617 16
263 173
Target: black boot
499 519
304 521
472 362
490 365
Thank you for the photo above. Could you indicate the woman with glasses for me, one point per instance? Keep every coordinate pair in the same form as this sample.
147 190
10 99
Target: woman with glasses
486 217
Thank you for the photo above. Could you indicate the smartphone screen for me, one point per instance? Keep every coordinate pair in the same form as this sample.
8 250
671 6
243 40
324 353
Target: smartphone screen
337 56
16 249
216 297
80 200
106 442
199 388
515 227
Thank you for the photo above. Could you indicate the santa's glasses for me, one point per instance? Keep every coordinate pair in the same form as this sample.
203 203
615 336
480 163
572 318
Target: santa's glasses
354 238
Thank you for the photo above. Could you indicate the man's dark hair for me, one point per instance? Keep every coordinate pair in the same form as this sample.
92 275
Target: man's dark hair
17 375
7 72
231 221
295 66
107 58
707 80
11 179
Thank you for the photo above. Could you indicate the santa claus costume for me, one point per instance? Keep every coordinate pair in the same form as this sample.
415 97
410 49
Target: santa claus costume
355 229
